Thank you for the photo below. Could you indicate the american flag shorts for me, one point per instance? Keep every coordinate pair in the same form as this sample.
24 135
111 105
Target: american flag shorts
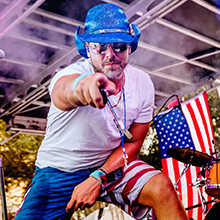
124 192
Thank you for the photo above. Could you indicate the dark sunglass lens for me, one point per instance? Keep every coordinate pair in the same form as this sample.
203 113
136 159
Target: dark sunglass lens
103 48
120 47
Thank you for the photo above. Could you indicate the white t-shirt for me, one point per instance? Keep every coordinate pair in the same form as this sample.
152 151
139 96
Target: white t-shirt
85 137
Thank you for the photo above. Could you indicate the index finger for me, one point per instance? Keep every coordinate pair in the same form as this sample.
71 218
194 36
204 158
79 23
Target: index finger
70 206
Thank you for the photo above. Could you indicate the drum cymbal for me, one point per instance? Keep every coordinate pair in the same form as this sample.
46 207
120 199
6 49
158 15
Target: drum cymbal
186 155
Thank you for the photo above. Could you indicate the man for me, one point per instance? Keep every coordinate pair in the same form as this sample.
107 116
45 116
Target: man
90 148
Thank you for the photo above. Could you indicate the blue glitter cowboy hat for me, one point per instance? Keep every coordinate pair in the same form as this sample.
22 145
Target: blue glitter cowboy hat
106 23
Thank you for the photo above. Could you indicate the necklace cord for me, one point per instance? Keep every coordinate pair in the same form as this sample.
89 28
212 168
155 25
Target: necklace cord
122 134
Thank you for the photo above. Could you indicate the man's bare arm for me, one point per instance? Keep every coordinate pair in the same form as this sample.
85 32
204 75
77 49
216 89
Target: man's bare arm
86 92
86 193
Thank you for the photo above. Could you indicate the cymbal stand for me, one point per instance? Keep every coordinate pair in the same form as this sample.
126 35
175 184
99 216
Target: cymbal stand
200 183
182 173
203 202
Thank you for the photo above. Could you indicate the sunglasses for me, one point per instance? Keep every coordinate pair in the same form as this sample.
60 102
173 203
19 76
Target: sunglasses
98 48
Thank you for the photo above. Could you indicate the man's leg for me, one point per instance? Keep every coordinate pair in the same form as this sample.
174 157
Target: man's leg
160 194
49 194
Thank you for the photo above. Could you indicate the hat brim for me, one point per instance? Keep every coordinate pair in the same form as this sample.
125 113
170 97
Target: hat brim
106 38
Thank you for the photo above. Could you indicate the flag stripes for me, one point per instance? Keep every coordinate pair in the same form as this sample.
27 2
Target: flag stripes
191 127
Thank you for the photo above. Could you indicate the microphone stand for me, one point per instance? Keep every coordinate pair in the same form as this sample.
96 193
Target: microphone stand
2 189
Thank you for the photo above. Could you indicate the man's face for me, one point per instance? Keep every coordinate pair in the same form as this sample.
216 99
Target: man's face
110 59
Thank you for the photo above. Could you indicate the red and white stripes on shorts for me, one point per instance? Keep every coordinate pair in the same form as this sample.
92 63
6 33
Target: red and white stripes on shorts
124 193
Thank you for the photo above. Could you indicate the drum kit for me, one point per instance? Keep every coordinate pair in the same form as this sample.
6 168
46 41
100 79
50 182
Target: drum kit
209 178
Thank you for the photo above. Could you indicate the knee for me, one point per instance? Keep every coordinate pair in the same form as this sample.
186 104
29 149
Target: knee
158 188
162 187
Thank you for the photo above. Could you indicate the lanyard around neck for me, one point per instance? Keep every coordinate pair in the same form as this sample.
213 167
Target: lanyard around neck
123 131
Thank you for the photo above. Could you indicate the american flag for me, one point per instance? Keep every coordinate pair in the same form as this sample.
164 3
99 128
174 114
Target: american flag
189 127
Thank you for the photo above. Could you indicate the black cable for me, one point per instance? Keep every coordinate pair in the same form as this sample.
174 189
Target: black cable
165 104
162 108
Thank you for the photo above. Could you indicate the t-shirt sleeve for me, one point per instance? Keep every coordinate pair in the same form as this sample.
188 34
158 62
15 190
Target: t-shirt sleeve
147 103
142 93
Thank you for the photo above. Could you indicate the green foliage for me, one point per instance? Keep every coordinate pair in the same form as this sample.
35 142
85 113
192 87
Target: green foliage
3 133
214 105
150 153
18 155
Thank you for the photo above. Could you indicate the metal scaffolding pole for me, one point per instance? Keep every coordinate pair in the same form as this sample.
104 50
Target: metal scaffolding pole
2 182
2 191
